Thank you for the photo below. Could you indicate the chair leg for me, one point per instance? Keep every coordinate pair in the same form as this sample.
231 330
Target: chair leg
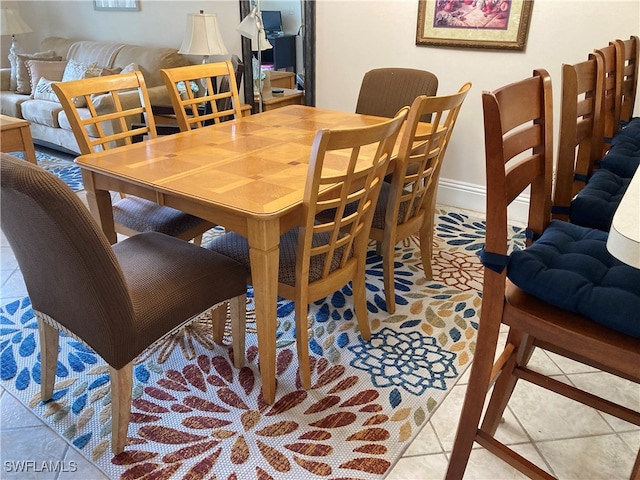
478 386
238 328
360 302
635 471
426 244
197 240
302 342
121 385
219 322
506 382
49 340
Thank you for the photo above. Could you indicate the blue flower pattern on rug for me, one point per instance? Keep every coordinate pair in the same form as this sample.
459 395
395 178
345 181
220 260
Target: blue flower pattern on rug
409 360
67 170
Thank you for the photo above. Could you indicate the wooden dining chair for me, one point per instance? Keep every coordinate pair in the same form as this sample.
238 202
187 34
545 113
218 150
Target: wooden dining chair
321 254
580 139
563 293
612 94
628 57
113 104
407 204
384 91
117 299
217 92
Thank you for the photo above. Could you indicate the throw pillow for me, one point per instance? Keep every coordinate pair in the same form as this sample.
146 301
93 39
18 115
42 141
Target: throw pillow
38 69
23 82
43 90
77 71
132 67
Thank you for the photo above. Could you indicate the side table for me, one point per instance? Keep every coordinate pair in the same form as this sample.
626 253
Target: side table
289 97
16 137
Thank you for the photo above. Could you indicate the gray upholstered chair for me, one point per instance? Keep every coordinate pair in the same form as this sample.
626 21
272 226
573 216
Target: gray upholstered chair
323 252
117 299
384 91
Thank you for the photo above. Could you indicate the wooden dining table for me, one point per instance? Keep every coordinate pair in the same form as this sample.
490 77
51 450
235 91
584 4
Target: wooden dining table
247 175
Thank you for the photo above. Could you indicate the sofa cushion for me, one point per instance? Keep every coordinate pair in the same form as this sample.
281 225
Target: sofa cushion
570 267
43 112
100 53
10 103
23 81
63 121
150 60
38 69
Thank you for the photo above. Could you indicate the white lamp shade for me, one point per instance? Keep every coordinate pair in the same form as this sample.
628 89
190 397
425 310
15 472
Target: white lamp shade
11 23
202 36
250 25
260 42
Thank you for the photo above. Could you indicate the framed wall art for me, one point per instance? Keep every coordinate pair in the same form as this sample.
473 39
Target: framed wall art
497 24
121 5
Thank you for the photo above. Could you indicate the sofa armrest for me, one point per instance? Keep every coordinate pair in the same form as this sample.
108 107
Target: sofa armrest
159 95
5 79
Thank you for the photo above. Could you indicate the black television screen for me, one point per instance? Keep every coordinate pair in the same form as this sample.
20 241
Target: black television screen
272 21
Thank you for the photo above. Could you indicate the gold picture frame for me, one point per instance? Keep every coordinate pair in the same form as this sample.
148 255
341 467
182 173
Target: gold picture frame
494 24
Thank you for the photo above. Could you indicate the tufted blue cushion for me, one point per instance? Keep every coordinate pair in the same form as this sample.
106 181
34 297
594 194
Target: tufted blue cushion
570 267
596 203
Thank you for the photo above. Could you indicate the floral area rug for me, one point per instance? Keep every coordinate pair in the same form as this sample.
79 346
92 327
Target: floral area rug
64 168
194 415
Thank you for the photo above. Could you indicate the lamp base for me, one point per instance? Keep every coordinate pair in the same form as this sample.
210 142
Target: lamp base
14 51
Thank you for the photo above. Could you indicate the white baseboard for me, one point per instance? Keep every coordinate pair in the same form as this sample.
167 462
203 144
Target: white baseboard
473 197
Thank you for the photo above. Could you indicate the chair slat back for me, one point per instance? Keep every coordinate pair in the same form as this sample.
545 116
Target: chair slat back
217 92
347 166
518 124
113 104
628 56
580 140
612 93
419 160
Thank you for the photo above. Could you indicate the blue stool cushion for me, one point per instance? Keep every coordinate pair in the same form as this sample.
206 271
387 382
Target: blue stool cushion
596 203
570 267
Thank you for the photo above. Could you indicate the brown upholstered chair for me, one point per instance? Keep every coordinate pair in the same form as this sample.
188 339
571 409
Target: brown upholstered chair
320 255
116 299
628 60
109 126
384 91
600 331
580 139
219 95
407 204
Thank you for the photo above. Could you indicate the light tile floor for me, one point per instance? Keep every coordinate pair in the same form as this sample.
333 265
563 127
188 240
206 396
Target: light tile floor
569 440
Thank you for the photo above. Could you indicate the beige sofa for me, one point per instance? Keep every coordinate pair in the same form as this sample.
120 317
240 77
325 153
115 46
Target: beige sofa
49 124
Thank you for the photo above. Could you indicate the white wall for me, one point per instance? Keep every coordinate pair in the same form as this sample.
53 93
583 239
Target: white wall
382 33
354 36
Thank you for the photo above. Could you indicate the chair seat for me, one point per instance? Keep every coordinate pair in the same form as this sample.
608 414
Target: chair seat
596 203
237 247
180 271
143 215
570 267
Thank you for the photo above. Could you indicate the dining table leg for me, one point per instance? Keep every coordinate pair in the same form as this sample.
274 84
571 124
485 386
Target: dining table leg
264 238
100 206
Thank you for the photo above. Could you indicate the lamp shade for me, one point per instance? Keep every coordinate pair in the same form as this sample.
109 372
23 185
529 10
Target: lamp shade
11 23
202 36
260 42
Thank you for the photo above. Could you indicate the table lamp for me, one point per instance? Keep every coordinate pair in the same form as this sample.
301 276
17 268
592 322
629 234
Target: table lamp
11 23
202 36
